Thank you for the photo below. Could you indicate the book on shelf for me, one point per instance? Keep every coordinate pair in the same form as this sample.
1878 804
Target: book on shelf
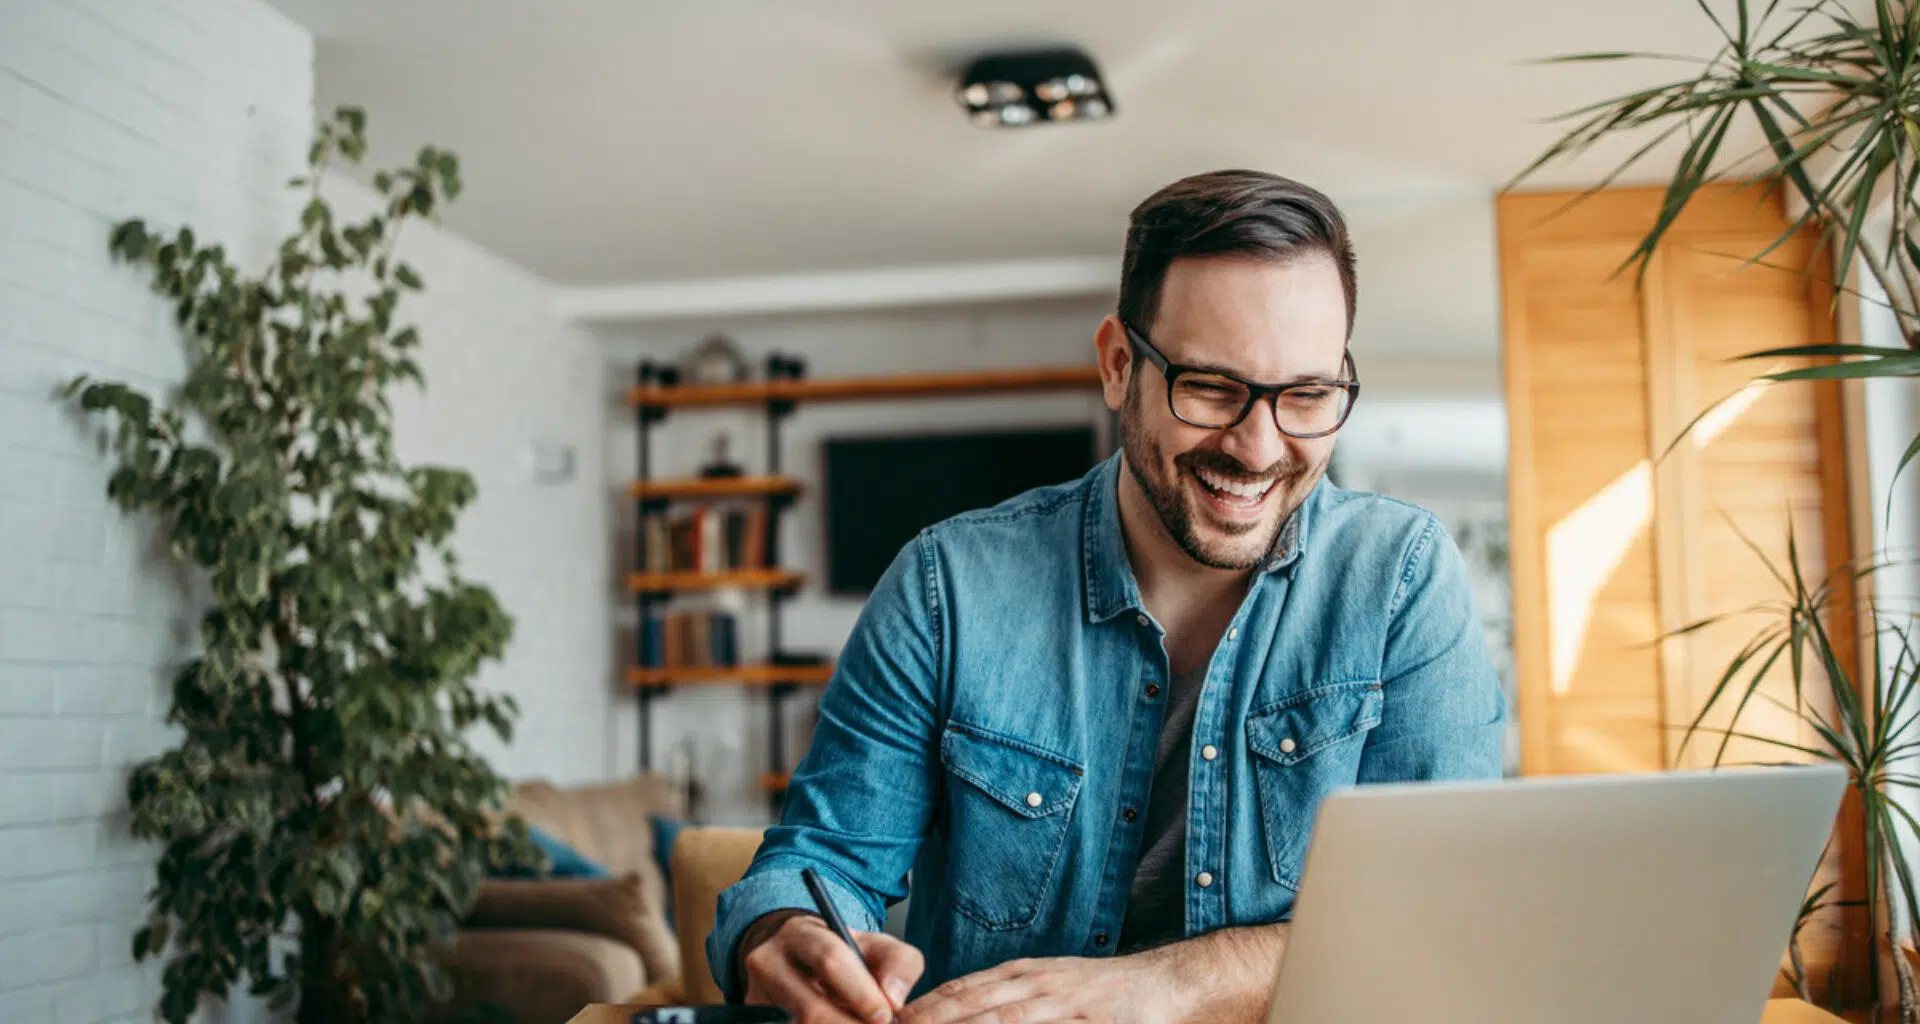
704 540
733 538
753 538
725 650
653 640
689 639
699 652
655 543
712 536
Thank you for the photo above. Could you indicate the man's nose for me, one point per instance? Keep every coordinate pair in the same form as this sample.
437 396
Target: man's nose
1256 440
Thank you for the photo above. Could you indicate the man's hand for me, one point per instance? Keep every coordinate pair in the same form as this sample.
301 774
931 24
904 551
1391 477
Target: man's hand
1116 990
803 968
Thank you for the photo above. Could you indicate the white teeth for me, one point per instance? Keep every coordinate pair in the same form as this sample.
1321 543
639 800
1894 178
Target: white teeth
1249 491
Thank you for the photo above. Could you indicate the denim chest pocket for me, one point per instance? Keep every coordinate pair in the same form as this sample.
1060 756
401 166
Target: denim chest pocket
1304 747
1009 803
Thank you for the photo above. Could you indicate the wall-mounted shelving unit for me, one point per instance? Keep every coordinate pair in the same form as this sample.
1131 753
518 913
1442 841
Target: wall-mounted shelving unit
913 385
742 579
776 674
757 674
697 488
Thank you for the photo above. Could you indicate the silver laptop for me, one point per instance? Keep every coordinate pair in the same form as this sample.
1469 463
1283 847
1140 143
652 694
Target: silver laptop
1621 899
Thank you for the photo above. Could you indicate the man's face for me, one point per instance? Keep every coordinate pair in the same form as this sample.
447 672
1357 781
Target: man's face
1223 495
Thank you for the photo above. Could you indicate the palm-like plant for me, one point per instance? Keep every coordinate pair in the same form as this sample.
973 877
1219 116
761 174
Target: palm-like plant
1873 734
1836 98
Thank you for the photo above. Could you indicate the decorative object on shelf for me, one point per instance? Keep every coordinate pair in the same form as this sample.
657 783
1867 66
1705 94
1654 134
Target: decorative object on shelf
785 367
658 375
718 465
716 360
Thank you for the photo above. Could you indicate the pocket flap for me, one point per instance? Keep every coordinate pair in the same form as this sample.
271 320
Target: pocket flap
1011 771
1300 726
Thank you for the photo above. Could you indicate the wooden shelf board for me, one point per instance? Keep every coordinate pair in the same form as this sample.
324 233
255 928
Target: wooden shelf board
714 487
737 675
749 579
1046 378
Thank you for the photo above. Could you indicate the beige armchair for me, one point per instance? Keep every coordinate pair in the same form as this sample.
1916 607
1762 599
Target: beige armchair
705 861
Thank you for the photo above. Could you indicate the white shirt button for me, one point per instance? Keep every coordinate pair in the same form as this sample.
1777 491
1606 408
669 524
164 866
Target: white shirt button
1142 620
1233 633
1287 745
1035 800
1203 879
1209 752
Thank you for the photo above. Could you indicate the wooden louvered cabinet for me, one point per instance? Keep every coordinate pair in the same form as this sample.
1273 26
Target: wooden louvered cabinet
1614 546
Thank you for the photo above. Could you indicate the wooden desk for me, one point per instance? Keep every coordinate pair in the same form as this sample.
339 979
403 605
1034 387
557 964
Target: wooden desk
1793 1011
1779 1011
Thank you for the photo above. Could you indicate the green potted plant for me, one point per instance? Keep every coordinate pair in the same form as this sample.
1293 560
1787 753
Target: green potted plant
323 821
1871 730
1836 98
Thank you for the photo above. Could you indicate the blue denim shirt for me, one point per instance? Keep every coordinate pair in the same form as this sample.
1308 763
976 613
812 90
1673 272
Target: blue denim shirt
993 721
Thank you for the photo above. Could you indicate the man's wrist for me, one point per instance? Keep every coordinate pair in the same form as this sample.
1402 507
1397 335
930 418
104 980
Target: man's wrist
763 928
1163 964
1221 976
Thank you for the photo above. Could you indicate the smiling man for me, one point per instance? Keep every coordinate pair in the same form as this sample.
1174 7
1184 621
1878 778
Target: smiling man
1095 722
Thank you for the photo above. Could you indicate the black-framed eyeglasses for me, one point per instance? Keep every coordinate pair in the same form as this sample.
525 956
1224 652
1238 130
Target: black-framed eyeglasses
1304 409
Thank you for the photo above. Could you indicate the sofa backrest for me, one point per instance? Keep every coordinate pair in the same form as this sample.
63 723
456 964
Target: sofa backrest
609 823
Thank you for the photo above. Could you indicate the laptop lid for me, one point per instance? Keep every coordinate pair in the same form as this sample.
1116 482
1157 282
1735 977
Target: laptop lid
1574 900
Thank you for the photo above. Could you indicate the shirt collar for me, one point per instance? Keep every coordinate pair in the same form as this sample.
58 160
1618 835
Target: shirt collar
1111 589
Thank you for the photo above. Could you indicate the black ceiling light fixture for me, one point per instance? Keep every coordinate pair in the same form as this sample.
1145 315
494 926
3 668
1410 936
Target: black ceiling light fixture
1011 90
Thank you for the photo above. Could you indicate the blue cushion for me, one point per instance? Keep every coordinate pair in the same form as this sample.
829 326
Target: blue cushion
567 862
666 831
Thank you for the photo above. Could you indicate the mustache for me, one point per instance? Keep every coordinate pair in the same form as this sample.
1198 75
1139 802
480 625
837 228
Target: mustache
1220 463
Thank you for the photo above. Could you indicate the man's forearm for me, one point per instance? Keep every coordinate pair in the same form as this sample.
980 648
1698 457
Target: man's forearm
1225 976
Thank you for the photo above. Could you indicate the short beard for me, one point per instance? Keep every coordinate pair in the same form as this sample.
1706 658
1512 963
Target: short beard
1145 457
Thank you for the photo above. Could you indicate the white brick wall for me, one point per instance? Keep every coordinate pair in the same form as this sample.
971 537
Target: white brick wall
178 111
197 111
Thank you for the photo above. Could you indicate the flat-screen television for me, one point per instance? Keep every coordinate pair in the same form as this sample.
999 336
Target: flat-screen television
883 490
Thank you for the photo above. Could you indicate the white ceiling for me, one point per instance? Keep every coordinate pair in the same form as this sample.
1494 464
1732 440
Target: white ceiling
609 141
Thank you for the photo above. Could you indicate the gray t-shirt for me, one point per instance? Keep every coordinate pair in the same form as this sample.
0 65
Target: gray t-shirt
1157 903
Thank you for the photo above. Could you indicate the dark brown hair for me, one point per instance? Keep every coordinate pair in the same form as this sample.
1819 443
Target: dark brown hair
1229 213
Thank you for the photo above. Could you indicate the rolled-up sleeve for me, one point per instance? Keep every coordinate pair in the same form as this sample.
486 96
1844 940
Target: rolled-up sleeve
860 802
1444 708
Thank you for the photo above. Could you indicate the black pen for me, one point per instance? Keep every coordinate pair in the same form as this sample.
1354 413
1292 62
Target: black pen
824 903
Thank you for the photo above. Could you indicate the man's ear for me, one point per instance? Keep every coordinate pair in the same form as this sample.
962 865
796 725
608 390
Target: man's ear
1116 361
